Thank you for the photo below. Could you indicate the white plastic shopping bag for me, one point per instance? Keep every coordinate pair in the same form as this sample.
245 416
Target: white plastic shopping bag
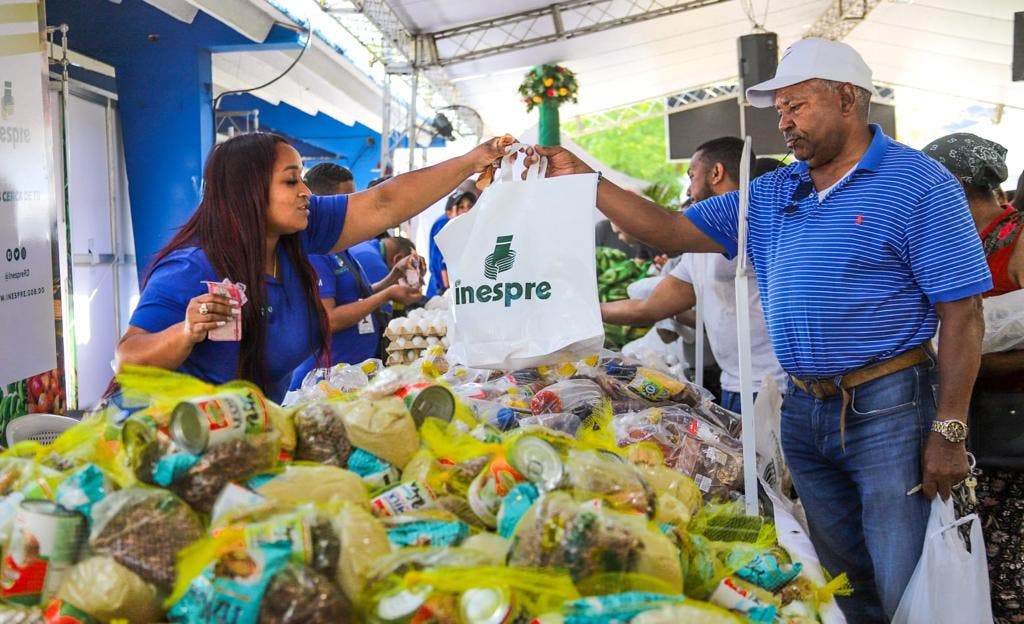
771 465
950 585
522 271
1004 322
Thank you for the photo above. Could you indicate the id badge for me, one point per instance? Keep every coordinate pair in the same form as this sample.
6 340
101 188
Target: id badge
366 325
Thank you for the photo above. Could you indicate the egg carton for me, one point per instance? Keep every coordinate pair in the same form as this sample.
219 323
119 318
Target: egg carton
405 356
421 326
404 343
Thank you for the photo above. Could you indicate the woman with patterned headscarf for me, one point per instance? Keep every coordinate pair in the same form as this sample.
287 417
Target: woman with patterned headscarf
997 427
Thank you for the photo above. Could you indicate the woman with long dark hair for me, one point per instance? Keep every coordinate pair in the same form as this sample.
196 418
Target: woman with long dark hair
255 225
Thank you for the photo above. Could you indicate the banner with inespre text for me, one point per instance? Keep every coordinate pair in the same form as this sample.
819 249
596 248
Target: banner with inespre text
29 349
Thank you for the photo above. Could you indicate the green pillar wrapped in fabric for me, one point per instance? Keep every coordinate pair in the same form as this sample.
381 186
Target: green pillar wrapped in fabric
548 132
547 87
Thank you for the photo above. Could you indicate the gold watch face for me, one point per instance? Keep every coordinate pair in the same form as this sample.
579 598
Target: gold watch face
952 430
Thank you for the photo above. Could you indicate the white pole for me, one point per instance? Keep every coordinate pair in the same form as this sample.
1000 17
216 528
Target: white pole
743 337
698 342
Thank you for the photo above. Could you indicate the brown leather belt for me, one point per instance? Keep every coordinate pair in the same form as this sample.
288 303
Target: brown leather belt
824 388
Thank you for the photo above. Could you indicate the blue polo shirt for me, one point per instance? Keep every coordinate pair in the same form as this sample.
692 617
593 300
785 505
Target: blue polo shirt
293 332
370 256
435 261
854 279
353 344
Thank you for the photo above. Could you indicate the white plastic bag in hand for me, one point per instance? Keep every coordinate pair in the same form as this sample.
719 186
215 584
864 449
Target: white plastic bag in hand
1004 322
522 266
950 585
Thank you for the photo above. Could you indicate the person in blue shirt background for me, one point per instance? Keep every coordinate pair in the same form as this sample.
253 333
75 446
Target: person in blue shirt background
330 179
457 204
355 312
860 247
380 256
255 225
358 307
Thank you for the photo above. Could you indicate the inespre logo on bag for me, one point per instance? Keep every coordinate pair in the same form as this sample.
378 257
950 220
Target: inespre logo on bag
502 259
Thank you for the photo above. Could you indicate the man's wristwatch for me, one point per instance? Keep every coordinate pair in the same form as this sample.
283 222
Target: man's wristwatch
953 430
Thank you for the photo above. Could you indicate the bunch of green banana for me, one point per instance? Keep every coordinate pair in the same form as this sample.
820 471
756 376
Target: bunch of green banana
615 272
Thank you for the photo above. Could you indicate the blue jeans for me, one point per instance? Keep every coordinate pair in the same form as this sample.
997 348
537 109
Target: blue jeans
861 520
731 401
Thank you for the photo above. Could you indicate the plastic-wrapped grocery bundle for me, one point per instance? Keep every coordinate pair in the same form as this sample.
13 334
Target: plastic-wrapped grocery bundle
234 460
594 540
143 529
320 434
106 590
300 595
481 510
709 455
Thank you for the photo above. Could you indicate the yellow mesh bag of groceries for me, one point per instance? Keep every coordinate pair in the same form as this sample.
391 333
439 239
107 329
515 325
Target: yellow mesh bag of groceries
446 441
802 589
720 540
691 612
727 522
534 591
164 389
679 498
591 475
597 431
28 476
620 582
589 538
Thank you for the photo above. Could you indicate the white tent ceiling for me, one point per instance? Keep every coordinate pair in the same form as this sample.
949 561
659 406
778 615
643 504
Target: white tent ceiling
950 47
955 47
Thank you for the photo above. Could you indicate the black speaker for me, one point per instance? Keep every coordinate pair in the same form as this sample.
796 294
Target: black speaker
758 56
1018 46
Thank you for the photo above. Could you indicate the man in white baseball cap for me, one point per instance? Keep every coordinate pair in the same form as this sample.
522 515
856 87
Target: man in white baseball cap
861 247
808 59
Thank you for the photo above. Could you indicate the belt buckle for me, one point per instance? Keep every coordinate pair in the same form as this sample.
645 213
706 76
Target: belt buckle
826 387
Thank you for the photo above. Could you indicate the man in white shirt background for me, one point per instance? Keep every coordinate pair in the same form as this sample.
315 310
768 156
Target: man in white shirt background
714 170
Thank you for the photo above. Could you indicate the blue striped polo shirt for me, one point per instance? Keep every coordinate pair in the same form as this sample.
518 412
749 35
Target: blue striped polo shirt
853 279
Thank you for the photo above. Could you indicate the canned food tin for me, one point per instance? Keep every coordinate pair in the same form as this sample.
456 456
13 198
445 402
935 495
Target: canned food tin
44 544
487 605
138 432
401 606
427 399
140 437
403 498
199 423
538 461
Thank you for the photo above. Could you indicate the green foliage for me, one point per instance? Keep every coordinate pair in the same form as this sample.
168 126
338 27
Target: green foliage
664 194
638 149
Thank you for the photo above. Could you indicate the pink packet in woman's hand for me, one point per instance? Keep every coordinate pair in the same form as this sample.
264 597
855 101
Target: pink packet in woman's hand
231 331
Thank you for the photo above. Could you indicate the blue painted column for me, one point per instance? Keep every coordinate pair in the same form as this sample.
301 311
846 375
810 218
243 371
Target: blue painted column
164 75
167 122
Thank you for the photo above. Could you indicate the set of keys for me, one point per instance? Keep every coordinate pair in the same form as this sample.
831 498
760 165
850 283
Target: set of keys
968 484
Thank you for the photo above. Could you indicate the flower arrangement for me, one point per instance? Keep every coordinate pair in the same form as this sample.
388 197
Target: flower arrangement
548 83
